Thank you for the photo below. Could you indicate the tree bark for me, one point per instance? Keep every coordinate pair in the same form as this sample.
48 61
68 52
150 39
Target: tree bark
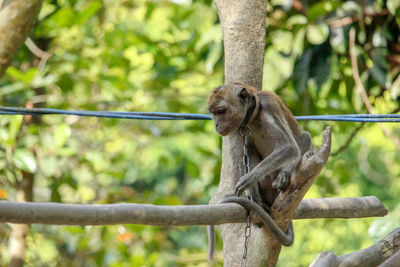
17 242
243 25
384 252
16 21
86 214
285 205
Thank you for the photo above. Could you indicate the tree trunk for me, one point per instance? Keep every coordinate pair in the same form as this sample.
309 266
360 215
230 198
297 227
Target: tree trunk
16 20
17 243
243 30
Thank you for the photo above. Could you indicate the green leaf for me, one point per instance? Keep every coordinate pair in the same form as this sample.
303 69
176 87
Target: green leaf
320 65
315 63
12 88
301 71
395 88
192 169
15 125
317 33
25 77
379 70
24 160
61 134
89 11
393 6
64 17
297 20
322 8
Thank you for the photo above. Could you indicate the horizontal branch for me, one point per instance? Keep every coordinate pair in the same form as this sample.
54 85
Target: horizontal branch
83 214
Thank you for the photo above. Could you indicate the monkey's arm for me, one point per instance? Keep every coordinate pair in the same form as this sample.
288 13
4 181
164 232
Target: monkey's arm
286 152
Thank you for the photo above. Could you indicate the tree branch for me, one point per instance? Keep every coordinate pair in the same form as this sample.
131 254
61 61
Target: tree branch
39 53
16 20
368 257
348 141
84 214
393 261
285 205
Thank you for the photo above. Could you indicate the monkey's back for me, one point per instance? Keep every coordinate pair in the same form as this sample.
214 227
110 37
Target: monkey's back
270 100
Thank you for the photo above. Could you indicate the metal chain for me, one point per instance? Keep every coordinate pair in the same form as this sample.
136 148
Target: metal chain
245 131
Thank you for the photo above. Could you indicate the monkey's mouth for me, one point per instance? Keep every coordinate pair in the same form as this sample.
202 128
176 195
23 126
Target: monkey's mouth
222 130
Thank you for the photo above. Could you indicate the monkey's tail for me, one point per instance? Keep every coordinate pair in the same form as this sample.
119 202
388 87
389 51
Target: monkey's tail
211 243
285 239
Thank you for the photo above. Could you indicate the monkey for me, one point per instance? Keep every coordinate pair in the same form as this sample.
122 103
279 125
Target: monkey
276 138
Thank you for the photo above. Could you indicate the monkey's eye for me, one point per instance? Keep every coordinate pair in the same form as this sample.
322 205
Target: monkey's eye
244 94
220 111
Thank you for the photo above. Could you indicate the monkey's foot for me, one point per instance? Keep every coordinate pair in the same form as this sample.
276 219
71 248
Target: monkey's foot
244 183
282 181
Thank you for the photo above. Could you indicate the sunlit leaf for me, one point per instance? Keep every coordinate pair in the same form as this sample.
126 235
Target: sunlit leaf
317 33
88 11
192 169
14 127
393 6
61 134
395 88
322 8
25 77
24 160
64 17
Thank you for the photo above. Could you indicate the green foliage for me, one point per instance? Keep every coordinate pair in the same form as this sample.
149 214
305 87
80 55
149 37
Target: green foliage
167 56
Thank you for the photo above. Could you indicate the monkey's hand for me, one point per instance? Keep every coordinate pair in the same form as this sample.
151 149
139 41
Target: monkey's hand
282 181
244 182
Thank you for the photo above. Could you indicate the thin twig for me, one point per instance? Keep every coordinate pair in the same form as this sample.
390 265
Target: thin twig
347 143
340 22
43 55
361 89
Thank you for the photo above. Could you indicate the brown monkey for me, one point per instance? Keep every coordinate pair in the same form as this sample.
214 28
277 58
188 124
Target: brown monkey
276 138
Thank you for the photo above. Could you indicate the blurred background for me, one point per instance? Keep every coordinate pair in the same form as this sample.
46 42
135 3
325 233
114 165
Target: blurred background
122 55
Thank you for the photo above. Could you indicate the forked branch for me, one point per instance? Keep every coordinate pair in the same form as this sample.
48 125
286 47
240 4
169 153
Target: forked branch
285 205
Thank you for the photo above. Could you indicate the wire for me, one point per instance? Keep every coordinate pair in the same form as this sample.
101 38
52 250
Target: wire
187 116
353 118
105 114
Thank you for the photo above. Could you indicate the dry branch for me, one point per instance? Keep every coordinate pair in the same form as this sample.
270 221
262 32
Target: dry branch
285 205
368 257
393 261
81 214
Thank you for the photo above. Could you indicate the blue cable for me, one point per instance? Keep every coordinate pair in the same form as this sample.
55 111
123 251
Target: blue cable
188 116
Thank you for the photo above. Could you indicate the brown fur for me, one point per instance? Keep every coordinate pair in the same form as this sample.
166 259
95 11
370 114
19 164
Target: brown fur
276 141
276 136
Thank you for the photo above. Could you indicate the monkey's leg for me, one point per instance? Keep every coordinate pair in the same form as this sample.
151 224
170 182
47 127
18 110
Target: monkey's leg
276 160
305 142
282 181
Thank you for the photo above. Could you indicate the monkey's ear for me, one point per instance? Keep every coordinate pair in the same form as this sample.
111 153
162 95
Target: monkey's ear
244 94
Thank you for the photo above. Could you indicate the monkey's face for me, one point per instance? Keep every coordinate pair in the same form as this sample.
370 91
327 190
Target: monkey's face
227 106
